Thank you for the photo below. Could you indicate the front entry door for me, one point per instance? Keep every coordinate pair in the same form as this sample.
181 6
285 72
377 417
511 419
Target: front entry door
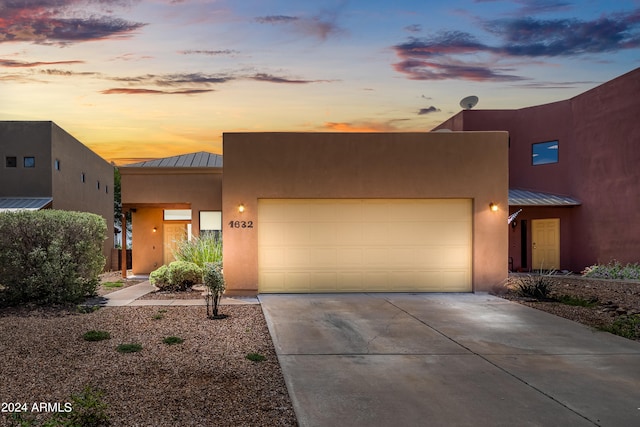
545 245
172 234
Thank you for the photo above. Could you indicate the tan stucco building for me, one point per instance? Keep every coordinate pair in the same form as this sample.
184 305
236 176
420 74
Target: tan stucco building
345 212
334 212
170 199
43 167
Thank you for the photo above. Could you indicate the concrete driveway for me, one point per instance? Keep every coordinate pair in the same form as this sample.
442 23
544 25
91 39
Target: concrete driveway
448 360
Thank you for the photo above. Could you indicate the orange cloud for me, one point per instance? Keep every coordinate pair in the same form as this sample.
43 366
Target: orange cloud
360 127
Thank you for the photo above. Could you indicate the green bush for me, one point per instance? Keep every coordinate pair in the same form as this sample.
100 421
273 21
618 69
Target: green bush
214 281
200 250
50 256
160 277
627 326
177 276
183 274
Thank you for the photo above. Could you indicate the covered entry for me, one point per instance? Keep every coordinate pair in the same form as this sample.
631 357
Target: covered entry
351 245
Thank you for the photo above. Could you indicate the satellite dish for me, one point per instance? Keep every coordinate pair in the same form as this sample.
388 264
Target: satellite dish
469 102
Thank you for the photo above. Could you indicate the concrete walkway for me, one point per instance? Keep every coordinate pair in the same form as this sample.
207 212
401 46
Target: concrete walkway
129 296
448 360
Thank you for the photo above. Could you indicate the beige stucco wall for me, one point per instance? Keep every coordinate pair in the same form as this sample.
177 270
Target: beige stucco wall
149 191
20 139
147 252
70 193
47 142
383 165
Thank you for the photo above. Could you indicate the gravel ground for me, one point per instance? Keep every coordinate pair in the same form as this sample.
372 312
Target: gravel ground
613 299
207 380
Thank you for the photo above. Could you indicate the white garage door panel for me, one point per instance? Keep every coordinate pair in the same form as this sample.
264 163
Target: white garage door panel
331 245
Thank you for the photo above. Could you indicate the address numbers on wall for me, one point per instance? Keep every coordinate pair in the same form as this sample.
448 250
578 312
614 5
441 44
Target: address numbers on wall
240 224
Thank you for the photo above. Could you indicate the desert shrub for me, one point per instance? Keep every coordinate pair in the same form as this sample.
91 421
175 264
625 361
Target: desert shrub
50 256
534 286
177 276
613 270
172 340
256 357
160 277
214 281
129 348
94 335
183 274
627 326
87 410
576 301
200 250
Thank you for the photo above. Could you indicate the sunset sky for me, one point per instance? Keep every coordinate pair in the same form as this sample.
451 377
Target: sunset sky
140 79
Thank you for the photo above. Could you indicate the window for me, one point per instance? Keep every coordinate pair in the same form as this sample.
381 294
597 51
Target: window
177 214
544 153
12 162
29 162
106 189
98 185
211 223
82 177
56 164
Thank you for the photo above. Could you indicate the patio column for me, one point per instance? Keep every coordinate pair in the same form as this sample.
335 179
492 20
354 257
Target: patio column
123 254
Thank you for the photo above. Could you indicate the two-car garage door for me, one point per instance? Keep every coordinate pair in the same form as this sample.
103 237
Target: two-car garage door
355 245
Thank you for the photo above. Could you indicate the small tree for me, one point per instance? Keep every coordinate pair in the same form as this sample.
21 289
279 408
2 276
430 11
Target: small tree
214 281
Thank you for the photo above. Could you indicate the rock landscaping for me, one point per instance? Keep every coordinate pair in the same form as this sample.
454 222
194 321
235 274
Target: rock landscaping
610 305
205 379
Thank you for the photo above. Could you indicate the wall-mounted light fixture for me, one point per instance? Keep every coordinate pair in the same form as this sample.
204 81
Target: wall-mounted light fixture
493 207
241 208
155 229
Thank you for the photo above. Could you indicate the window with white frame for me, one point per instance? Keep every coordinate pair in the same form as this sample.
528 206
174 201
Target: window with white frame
211 222
177 214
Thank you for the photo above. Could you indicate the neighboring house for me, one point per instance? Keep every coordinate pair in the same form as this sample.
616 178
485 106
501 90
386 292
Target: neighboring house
44 167
170 199
574 171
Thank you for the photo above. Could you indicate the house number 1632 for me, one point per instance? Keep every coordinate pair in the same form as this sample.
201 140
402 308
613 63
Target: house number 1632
240 224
